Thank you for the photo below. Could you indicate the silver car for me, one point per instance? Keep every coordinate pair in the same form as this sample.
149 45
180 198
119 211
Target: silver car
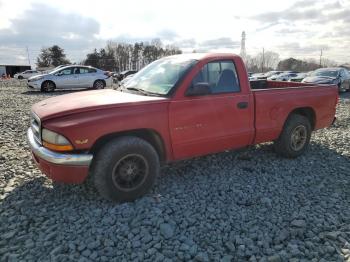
71 77
26 74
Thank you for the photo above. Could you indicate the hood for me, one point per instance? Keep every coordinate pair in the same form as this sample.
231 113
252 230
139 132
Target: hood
86 101
39 75
319 79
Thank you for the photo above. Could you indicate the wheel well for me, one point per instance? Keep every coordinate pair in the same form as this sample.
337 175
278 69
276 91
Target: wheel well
151 136
42 84
104 82
308 112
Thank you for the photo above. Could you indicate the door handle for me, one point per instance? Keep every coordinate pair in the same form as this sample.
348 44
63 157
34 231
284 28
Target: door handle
242 105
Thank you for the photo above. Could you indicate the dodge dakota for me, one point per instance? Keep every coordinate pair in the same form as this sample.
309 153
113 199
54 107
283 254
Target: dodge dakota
176 108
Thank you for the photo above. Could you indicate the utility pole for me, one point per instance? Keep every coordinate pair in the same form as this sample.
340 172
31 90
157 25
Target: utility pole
321 58
243 52
263 60
28 56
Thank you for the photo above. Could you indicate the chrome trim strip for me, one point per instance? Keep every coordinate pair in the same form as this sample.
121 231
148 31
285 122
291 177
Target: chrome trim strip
57 158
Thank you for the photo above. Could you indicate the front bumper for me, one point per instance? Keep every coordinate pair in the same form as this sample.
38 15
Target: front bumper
60 167
34 84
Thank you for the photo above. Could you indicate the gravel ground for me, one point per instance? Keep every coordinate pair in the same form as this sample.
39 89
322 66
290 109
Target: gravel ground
234 206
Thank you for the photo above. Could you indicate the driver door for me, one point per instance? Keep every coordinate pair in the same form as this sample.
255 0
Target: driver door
64 78
205 124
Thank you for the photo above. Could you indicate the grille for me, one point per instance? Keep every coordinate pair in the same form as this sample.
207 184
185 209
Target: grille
35 125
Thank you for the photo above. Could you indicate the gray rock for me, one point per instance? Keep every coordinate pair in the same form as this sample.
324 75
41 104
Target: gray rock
201 257
274 258
166 230
298 223
227 258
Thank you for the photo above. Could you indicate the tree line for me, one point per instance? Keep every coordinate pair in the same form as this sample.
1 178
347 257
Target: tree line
118 57
114 57
267 61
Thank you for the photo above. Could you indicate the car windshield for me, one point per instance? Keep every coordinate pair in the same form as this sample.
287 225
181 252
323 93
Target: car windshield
160 76
329 73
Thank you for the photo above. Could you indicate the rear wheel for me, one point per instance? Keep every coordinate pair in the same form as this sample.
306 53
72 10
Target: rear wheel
125 169
99 84
20 77
295 137
48 86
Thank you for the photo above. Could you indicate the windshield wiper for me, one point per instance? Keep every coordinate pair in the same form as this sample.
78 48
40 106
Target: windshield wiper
142 91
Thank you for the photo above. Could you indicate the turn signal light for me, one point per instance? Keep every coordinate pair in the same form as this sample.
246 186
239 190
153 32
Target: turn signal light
57 147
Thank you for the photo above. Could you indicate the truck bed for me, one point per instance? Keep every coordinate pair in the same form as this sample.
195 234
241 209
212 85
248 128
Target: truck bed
266 84
275 100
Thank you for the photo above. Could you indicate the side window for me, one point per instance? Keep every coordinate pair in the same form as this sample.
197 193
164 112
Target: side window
67 71
84 70
92 70
220 75
76 70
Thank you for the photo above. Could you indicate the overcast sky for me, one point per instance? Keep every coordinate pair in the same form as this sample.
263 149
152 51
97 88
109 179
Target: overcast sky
291 28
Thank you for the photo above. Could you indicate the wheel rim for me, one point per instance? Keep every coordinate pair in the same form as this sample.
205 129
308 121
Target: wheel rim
49 86
130 172
99 85
298 137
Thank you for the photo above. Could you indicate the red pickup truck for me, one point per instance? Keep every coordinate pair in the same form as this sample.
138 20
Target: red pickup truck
176 108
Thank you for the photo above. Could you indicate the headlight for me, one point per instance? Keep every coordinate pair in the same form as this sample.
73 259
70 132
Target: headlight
54 141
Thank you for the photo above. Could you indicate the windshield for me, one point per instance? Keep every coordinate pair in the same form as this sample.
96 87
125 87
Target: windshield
160 76
329 73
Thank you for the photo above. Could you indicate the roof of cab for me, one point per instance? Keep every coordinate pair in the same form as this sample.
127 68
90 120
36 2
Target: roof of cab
200 56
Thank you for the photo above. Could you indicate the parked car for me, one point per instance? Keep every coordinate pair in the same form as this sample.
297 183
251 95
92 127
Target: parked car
337 76
283 76
299 77
176 108
26 74
272 73
125 73
256 76
71 77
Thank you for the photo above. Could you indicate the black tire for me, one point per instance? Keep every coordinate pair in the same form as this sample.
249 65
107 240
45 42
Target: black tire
122 162
99 84
287 144
48 86
20 77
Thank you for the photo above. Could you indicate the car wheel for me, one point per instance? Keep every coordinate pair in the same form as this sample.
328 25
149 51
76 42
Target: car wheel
20 77
99 84
48 86
295 137
125 169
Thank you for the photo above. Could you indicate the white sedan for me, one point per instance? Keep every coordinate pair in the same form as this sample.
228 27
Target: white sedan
26 74
283 77
71 77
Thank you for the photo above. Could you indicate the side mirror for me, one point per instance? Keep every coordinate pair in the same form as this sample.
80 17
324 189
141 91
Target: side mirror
199 89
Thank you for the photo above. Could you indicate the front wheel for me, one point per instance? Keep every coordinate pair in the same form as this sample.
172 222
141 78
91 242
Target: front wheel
99 84
48 86
295 137
125 169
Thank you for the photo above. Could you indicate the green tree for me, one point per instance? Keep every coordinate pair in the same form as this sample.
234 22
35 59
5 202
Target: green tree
52 56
